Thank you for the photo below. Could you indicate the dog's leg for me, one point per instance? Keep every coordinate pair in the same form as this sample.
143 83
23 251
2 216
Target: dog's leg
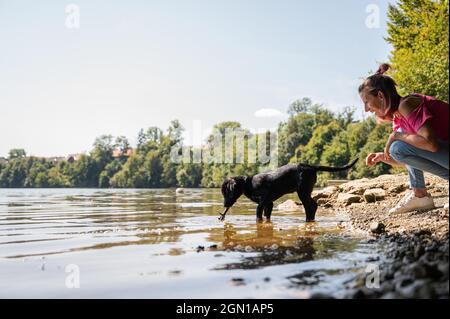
268 210
304 193
259 212
311 211
310 206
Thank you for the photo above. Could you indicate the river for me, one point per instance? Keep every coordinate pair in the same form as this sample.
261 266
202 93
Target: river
155 243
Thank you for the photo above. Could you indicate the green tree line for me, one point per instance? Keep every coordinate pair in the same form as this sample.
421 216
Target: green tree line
312 134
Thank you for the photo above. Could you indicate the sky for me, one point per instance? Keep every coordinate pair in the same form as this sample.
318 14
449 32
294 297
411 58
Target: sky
71 71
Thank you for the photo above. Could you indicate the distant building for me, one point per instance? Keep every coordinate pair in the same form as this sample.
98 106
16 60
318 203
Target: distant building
73 157
119 153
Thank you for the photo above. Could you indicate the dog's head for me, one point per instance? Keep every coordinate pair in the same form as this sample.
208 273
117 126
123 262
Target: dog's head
232 189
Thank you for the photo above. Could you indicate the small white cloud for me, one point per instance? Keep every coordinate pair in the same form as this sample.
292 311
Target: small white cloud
269 113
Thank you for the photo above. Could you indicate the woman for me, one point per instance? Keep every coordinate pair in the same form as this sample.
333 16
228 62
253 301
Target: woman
420 135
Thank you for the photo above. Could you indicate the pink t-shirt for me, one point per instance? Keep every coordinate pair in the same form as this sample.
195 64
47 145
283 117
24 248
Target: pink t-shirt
434 111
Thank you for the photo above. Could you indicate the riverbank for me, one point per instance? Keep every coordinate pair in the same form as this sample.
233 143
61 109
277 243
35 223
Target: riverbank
414 258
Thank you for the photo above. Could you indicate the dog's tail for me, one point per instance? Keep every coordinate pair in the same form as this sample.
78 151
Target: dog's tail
333 169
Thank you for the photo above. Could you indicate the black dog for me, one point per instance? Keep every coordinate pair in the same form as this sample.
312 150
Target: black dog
265 188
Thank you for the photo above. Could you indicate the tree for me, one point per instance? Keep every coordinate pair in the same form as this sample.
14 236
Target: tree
17 153
300 106
311 153
418 31
376 141
122 144
345 117
189 175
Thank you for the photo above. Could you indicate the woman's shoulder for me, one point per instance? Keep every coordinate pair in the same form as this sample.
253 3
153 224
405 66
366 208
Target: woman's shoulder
410 103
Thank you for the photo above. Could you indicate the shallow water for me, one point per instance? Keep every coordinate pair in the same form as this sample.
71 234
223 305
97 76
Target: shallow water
90 243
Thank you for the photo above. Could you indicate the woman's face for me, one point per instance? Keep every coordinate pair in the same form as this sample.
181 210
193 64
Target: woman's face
373 103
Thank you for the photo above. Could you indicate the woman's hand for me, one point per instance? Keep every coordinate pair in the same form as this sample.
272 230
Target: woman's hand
392 137
374 158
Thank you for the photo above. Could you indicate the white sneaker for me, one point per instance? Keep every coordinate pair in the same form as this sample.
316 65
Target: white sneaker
410 202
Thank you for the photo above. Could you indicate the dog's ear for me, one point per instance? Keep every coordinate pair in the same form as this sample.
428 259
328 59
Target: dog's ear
231 184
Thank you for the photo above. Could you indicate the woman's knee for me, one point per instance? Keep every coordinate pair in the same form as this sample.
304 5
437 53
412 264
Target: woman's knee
398 150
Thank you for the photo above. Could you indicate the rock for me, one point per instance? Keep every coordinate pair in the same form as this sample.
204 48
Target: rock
200 248
374 194
322 201
348 199
324 193
288 205
320 295
391 295
418 251
443 269
362 293
401 281
179 191
397 189
420 289
417 270
237 281
355 187
377 227
386 287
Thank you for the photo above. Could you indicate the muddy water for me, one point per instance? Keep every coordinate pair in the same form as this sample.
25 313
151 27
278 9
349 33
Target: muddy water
84 243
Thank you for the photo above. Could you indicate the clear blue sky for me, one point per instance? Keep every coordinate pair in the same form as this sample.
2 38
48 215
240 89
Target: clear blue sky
134 64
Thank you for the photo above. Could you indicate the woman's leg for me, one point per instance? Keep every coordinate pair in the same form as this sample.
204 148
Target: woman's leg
436 163
417 181
417 161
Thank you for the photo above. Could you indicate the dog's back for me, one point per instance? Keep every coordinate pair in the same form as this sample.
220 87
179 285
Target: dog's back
283 180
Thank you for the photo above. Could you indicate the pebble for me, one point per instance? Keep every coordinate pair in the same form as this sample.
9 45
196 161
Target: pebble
200 248
377 227
238 281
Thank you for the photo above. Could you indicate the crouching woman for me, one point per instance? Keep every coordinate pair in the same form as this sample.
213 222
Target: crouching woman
419 139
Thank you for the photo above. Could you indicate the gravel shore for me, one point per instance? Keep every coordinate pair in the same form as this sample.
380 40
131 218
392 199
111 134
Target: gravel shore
414 253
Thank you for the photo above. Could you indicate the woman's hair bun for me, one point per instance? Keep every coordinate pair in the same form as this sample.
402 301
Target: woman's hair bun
383 68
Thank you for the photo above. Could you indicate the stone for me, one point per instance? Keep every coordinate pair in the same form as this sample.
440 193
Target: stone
348 199
419 289
397 189
321 295
374 194
377 227
288 205
324 193
322 201
179 191
418 251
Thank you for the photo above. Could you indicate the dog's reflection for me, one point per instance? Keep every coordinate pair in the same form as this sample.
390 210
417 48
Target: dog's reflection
272 246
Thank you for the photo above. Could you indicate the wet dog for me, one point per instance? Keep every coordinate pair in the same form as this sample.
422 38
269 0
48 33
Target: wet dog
265 188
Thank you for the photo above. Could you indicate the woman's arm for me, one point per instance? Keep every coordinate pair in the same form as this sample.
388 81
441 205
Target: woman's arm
374 158
425 139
